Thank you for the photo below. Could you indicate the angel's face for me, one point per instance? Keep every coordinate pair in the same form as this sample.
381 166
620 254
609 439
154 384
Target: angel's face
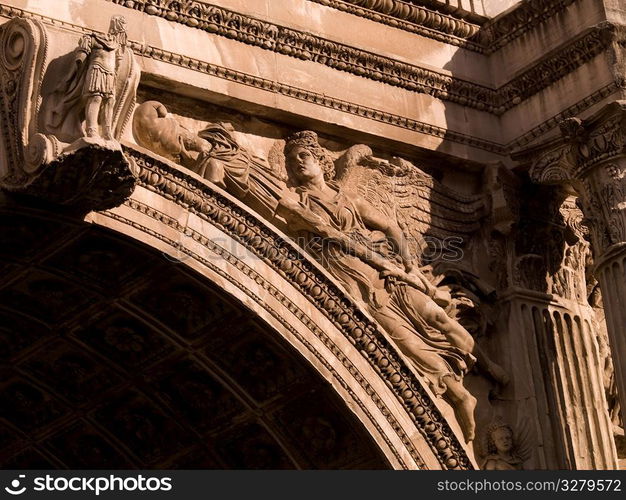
503 439
304 165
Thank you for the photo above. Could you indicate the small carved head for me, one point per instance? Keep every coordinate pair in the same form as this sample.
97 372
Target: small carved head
117 25
304 155
499 438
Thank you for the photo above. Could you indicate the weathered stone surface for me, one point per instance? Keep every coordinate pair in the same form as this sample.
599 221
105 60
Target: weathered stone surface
63 114
417 206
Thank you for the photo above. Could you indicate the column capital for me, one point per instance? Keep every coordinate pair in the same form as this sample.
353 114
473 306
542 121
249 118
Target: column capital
590 156
581 146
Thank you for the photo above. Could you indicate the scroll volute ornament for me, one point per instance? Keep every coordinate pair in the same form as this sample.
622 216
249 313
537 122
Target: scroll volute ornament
23 57
62 115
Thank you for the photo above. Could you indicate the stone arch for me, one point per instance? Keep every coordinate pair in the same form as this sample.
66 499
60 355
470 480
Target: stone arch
115 356
182 215
204 232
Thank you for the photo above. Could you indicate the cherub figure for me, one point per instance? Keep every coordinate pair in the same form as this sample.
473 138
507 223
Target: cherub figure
502 453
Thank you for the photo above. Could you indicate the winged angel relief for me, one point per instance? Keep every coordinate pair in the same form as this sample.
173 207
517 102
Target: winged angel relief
362 246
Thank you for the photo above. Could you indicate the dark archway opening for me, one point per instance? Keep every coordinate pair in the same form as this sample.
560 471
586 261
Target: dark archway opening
116 356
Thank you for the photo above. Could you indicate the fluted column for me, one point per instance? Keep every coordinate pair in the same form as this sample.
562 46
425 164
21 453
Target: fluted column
547 335
590 156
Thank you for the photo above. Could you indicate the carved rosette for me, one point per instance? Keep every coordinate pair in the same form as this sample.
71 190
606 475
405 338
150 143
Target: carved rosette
70 170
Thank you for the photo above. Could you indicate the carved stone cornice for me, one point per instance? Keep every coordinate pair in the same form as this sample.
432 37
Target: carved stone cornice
455 26
201 199
502 30
281 88
458 9
556 65
305 46
445 27
570 111
308 47
340 104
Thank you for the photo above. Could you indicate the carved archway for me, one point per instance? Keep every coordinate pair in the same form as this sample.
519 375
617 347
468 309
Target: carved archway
232 252
214 251
117 356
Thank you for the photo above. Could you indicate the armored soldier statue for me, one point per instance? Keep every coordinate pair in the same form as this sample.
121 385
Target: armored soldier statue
83 103
102 54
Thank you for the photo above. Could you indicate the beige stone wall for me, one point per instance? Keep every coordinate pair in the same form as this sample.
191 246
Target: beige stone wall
563 59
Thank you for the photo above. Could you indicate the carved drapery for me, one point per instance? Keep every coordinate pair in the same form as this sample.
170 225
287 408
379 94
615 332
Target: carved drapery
188 190
590 157
53 152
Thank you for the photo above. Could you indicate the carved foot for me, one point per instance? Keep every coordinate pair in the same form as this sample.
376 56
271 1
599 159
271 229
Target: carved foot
465 415
464 405
107 135
92 132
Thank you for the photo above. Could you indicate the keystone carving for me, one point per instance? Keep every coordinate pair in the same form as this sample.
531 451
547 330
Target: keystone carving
589 156
63 114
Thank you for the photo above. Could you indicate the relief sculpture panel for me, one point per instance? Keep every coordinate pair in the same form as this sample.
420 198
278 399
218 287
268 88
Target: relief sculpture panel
356 232
63 114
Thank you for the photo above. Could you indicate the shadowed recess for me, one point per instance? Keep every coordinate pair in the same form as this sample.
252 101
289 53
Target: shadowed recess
114 356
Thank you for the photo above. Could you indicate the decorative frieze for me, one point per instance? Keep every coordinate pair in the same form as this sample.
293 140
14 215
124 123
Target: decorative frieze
555 66
456 27
308 47
316 98
347 106
498 32
413 18
366 64
554 121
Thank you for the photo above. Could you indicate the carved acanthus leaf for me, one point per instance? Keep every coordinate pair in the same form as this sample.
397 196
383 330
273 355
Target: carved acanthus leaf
553 167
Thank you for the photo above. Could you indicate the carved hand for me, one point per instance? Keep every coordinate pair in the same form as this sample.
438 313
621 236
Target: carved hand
299 216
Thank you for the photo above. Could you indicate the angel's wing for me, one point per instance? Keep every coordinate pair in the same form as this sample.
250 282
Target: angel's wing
429 212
